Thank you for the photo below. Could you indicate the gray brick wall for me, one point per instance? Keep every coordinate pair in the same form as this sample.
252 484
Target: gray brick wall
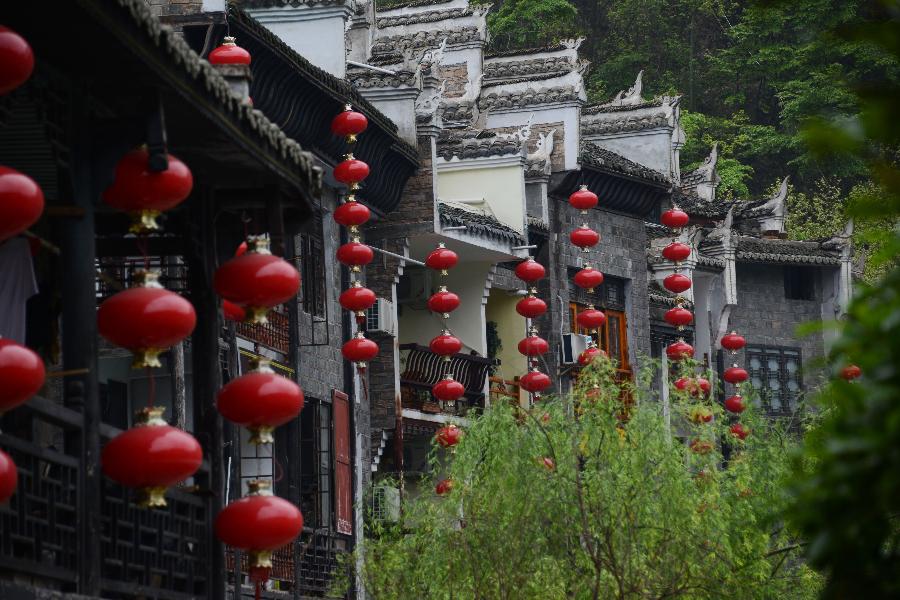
765 317
620 253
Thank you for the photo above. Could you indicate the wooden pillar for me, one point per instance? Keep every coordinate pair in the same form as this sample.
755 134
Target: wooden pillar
79 343
207 376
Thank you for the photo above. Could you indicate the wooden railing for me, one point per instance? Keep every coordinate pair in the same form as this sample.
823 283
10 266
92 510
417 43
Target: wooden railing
423 369
504 390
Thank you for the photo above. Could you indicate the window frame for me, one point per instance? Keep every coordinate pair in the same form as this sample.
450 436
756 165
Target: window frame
799 283
783 353
602 341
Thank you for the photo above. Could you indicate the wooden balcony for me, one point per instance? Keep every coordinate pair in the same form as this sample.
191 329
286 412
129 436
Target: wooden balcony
423 369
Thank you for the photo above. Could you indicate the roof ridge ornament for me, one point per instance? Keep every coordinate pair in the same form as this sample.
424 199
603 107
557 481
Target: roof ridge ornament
632 96
774 211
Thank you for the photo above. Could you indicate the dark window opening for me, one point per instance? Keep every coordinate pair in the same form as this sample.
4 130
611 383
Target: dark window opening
776 373
799 283
315 464
311 264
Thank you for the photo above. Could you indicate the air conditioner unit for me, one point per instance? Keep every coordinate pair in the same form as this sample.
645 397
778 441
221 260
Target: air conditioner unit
380 317
414 285
386 504
573 344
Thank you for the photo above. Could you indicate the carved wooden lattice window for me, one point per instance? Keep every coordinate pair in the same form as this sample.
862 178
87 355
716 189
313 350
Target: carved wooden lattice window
776 373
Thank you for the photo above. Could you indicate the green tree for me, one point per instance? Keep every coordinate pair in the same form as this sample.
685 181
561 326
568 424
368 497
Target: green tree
522 23
583 497
847 489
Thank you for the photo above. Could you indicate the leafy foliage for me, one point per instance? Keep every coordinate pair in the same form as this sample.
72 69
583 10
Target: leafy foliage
568 500
521 23
847 488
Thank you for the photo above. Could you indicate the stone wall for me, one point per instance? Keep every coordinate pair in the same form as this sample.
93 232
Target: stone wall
621 253
765 317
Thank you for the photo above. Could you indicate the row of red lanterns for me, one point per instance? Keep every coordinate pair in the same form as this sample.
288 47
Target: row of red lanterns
21 205
532 346
587 278
354 254
676 252
251 283
447 391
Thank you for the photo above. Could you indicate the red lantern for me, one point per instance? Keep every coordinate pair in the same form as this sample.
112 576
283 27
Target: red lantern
445 344
232 311
9 477
584 237
735 404
229 53
677 283
589 355
351 214
735 375
16 60
739 431
151 456
701 415
733 342
354 254
533 346
534 381
676 252
257 280
588 278
448 436
695 387
146 319
583 199
351 171
679 350
357 299
260 400
530 270
359 349
443 302
591 318
21 200
441 259
678 316
443 487
448 389
701 446
21 374
349 124
531 307
675 218
242 248
144 193
259 523
851 372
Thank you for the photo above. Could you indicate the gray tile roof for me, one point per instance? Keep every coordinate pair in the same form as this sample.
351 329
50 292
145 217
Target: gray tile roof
388 6
458 112
178 57
367 78
477 223
696 206
528 98
753 249
593 155
518 69
469 143
494 52
294 3
432 16
425 39
594 109
386 58
591 126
